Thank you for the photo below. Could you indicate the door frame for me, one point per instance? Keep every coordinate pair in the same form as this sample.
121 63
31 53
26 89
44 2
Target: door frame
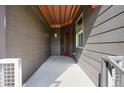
63 52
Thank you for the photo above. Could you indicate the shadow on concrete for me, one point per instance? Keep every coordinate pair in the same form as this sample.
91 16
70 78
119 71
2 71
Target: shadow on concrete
46 75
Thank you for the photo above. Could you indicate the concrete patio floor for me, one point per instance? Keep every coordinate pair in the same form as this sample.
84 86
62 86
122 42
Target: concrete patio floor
59 71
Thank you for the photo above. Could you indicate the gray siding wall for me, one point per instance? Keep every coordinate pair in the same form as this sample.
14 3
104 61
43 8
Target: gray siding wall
26 38
2 31
89 18
106 38
55 42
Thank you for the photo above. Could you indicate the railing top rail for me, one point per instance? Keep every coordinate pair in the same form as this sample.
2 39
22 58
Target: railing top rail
113 61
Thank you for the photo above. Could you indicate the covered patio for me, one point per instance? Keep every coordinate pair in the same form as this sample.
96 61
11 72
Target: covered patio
59 71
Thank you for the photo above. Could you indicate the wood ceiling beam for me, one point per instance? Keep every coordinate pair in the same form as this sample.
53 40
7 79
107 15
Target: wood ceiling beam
73 13
44 14
57 13
51 13
81 10
77 10
65 13
48 11
70 13
54 15
60 14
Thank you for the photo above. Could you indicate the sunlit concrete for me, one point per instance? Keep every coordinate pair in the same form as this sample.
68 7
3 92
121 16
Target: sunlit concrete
59 71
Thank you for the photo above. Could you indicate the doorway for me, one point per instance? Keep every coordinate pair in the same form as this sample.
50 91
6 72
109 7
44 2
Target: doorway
65 42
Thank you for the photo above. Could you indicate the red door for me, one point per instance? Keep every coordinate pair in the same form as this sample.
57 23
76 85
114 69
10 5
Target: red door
65 42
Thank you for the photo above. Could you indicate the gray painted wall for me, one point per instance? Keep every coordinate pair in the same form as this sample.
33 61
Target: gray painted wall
2 31
26 38
106 38
89 18
55 42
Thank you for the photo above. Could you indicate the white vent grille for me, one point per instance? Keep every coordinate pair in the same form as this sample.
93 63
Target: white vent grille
10 72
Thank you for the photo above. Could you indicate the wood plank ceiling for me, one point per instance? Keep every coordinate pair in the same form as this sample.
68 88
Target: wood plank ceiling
58 16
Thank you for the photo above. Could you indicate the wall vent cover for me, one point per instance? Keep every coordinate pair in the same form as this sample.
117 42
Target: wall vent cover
10 72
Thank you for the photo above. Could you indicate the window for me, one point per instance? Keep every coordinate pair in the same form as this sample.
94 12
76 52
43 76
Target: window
79 32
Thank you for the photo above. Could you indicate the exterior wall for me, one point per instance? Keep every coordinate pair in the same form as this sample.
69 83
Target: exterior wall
70 28
2 31
106 38
67 28
55 42
26 38
89 18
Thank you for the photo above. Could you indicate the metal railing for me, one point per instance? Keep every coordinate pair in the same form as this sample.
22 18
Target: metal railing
112 71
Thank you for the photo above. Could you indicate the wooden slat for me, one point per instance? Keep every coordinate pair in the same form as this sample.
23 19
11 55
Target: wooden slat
77 9
68 10
45 14
54 15
70 13
50 11
62 13
74 12
65 14
47 10
59 15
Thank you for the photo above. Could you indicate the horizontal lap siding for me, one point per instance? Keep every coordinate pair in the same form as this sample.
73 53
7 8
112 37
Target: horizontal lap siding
109 48
2 32
89 70
103 9
115 22
27 38
90 60
109 14
110 36
94 55
106 38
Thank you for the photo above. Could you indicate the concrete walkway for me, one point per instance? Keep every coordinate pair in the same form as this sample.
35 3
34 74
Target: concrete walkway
59 71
